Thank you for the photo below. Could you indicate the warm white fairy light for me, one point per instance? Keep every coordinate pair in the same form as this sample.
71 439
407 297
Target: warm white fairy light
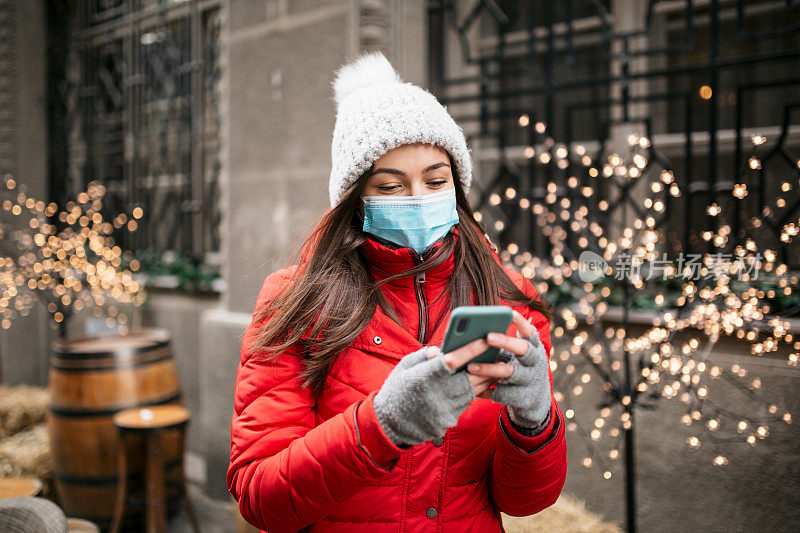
57 263
677 372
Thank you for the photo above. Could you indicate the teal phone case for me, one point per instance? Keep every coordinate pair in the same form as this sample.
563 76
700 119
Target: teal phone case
481 319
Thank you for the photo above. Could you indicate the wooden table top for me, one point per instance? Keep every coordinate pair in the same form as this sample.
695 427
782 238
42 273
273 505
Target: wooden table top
151 417
113 342
14 487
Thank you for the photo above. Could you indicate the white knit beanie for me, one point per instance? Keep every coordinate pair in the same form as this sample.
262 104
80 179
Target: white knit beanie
376 112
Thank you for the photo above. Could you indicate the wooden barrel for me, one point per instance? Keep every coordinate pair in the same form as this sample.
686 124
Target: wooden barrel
91 378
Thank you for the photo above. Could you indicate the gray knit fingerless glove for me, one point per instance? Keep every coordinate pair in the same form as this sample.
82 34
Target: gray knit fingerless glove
421 398
527 391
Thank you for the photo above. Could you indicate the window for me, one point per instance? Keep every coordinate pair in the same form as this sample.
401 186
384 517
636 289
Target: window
134 105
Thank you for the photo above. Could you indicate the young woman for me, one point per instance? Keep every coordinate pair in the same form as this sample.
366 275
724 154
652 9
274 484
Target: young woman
346 415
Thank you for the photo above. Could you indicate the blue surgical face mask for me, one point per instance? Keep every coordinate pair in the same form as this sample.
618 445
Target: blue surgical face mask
413 221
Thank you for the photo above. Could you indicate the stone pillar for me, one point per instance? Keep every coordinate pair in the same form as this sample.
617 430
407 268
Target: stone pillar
278 118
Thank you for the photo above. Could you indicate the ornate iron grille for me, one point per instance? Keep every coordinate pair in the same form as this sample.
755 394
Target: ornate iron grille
134 104
681 73
576 114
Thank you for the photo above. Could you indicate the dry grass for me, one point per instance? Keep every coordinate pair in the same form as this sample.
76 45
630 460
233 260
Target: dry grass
24 442
27 453
21 406
567 515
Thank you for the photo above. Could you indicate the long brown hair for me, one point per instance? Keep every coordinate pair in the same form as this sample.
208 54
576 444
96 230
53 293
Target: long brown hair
334 296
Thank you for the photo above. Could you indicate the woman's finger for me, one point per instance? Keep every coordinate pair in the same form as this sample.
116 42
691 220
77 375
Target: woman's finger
475 380
485 394
514 345
483 391
490 370
480 380
469 351
432 351
482 386
524 327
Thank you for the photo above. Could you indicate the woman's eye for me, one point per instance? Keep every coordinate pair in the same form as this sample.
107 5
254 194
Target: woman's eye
387 188
437 183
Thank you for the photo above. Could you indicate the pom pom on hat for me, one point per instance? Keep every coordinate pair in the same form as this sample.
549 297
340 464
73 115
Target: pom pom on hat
376 111
367 69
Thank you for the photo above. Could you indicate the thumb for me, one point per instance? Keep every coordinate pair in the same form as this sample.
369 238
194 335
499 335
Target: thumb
416 357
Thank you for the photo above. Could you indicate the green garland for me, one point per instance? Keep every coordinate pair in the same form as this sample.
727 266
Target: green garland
193 275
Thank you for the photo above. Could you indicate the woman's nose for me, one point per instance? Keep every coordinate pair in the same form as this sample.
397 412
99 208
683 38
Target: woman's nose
417 188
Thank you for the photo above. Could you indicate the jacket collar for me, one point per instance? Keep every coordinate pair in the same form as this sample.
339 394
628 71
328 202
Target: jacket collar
385 259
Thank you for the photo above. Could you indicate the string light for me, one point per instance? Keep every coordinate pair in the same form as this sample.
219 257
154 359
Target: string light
73 268
710 301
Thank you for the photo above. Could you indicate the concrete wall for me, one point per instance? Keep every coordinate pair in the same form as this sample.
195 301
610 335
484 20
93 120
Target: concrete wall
279 115
277 122
23 153
280 120
180 315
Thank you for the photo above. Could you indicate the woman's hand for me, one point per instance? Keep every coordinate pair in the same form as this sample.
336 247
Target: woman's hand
522 383
423 396
489 374
484 375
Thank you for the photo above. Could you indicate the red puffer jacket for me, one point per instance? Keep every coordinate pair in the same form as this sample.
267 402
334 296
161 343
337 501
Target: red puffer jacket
327 465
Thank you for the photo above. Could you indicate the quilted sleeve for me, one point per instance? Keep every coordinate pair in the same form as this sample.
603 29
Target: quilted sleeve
285 471
527 474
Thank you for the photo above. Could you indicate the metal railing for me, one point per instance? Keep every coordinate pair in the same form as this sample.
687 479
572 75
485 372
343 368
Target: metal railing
680 73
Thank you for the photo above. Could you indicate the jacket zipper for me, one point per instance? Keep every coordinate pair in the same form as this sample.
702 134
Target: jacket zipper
422 303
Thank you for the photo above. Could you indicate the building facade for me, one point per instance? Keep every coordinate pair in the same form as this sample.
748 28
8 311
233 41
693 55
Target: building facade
216 116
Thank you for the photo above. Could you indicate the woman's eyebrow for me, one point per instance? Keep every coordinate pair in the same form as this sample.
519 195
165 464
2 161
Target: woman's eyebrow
401 173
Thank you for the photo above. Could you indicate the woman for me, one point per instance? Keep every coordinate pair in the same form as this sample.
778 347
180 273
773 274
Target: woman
346 415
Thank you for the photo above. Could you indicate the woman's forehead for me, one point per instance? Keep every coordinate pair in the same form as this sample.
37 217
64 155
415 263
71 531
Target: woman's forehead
413 151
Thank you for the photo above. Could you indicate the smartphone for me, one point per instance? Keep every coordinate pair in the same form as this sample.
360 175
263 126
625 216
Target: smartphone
471 322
